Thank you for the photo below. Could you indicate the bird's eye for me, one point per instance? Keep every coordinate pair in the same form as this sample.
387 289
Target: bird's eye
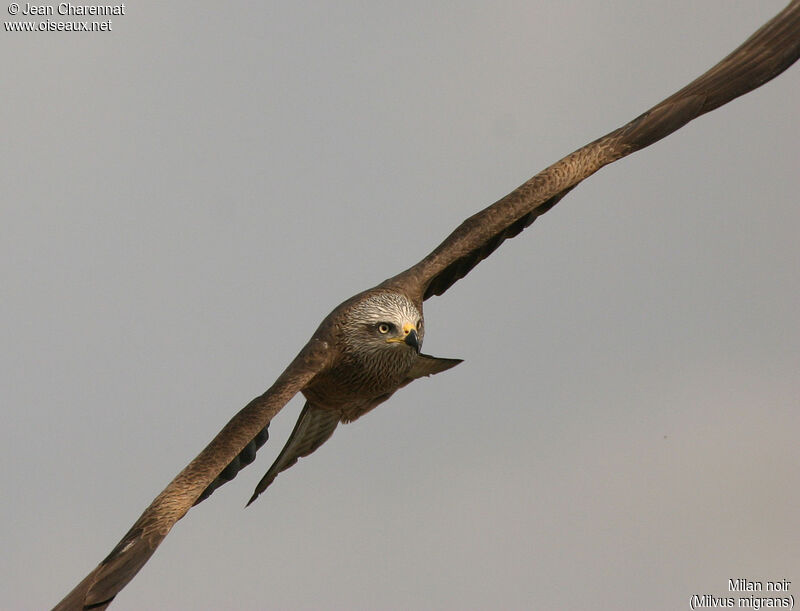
383 328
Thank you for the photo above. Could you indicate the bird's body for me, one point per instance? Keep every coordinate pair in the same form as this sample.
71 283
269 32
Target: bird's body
369 346
377 337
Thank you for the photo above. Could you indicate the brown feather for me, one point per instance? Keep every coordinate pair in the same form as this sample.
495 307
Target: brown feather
762 57
313 428
136 547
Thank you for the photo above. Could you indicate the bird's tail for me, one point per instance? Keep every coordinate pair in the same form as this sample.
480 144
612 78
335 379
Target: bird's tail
314 427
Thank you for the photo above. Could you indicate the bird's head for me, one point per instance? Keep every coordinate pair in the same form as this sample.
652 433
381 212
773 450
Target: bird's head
383 322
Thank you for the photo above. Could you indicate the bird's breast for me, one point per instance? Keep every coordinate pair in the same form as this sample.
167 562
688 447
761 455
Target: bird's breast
355 381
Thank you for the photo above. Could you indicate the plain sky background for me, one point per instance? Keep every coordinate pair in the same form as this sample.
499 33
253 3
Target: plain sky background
187 196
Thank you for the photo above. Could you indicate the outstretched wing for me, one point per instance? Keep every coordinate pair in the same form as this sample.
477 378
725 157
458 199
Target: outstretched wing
313 428
763 56
99 588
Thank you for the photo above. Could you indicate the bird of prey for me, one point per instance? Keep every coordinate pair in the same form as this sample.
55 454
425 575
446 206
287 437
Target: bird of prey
369 347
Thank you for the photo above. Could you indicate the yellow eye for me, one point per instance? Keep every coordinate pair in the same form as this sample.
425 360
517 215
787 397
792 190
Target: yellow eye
383 328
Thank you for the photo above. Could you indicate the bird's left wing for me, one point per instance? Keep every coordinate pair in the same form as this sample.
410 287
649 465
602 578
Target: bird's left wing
99 588
763 56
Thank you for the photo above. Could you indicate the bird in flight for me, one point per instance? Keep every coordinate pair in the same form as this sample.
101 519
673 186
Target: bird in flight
370 346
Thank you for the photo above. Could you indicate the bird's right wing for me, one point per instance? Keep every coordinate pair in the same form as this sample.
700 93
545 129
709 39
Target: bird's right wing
99 588
763 56
313 428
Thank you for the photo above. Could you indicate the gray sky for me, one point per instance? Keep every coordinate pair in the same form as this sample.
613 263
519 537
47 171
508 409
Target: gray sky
186 197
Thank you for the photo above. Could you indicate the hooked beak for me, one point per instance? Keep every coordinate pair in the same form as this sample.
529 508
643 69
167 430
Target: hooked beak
412 339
